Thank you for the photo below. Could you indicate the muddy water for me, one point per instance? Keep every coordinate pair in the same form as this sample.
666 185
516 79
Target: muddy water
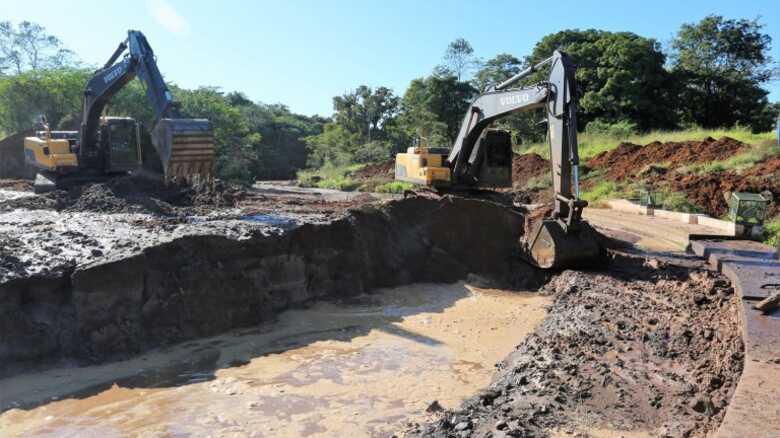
364 367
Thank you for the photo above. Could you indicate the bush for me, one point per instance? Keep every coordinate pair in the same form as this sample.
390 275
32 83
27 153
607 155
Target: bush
394 187
772 232
621 129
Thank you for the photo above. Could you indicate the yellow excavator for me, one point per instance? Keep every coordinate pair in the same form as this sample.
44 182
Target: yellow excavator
482 157
108 146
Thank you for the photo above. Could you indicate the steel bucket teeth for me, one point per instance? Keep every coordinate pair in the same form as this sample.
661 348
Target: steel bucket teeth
185 146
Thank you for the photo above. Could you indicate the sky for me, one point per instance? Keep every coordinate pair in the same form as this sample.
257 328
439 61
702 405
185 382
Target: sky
302 53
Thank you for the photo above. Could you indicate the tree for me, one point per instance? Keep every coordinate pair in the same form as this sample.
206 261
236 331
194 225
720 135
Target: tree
723 64
29 47
435 106
365 111
458 59
57 94
620 75
496 70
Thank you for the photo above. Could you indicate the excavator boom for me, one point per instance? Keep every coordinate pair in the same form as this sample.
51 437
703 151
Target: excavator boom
185 146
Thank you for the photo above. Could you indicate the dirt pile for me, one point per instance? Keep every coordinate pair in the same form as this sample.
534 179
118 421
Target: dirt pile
633 348
12 155
707 191
526 167
379 170
19 185
132 194
628 159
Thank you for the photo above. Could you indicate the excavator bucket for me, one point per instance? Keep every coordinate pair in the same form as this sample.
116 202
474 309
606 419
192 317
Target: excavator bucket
185 147
551 246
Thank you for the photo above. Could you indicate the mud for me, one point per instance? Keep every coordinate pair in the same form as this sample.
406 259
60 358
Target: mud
364 366
131 194
628 159
90 287
634 349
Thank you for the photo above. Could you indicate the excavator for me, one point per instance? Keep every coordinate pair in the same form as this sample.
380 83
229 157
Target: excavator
108 146
482 157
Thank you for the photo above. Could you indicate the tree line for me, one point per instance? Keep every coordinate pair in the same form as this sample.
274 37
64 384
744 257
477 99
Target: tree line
712 75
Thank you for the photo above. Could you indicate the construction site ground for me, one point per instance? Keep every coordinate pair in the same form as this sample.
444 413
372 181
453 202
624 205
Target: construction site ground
280 311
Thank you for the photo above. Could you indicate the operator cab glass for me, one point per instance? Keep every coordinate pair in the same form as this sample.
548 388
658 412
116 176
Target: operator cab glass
123 145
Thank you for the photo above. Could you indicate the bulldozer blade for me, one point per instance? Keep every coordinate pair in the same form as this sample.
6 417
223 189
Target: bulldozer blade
551 246
185 147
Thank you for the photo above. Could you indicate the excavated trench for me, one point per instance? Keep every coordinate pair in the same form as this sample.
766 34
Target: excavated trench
649 347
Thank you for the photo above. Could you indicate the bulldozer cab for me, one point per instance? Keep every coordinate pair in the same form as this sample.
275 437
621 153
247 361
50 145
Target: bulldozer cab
119 140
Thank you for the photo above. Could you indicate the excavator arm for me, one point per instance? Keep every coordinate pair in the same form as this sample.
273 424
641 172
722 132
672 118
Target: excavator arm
558 97
563 239
185 146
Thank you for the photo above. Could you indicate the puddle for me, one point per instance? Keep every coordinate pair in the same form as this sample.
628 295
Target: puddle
271 219
364 367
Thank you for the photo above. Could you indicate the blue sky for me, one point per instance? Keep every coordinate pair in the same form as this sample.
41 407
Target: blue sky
302 53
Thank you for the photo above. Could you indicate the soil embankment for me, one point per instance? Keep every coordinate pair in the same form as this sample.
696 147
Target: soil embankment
148 282
662 166
635 349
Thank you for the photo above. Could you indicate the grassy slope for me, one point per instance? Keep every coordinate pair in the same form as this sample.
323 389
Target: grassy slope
591 145
599 189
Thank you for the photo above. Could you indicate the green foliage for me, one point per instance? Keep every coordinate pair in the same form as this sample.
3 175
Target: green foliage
539 182
676 201
459 60
602 191
330 176
621 76
620 129
434 107
28 47
394 187
722 65
54 93
591 144
736 163
363 129
772 232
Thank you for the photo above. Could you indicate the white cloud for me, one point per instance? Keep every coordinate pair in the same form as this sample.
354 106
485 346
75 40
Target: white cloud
167 17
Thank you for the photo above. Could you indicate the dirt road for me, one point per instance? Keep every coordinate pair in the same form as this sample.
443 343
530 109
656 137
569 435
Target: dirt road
365 367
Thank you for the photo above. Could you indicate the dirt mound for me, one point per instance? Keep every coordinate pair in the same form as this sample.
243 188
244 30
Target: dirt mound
12 155
635 349
526 167
628 159
706 191
135 195
18 185
378 170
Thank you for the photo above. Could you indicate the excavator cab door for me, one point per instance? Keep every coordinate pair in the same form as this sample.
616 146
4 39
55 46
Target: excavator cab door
121 144
495 168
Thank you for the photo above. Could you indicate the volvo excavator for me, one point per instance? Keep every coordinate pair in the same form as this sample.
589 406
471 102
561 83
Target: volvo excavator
482 157
108 146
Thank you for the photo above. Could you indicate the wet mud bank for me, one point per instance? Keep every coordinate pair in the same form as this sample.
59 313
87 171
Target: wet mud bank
201 285
641 348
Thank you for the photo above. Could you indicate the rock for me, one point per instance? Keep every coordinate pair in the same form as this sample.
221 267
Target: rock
463 425
434 407
500 425
700 299
703 405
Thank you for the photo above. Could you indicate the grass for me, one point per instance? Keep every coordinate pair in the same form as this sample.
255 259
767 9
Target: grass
772 232
394 187
330 177
539 182
592 144
738 163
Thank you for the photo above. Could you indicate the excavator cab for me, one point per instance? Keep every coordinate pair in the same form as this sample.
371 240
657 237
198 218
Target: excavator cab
495 166
119 140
